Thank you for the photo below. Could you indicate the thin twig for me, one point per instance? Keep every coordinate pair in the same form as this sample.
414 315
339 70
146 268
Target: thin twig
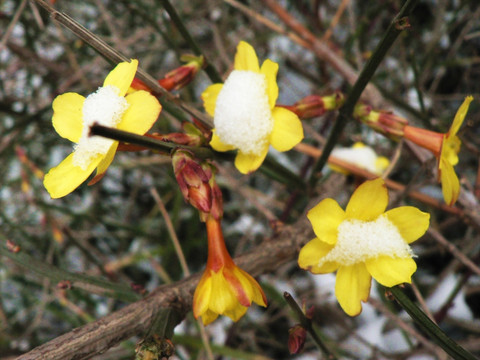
454 251
171 231
12 24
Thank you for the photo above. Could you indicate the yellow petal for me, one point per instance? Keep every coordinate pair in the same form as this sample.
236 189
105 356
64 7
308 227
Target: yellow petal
66 177
201 297
218 145
236 312
460 116
209 97
390 271
410 222
250 286
368 201
287 129
141 114
224 297
310 256
68 116
450 183
208 317
325 218
246 58
270 69
122 76
351 287
247 163
104 164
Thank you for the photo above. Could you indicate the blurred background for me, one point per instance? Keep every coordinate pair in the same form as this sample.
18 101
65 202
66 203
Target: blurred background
115 234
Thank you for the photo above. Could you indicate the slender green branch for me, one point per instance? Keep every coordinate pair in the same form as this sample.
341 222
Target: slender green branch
148 142
271 168
88 283
209 69
429 327
398 24
307 324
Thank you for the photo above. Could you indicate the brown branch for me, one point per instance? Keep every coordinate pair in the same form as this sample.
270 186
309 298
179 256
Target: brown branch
136 318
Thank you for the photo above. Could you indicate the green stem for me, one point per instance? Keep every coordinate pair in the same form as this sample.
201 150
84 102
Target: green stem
88 283
429 327
271 168
307 324
209 69
148 142
396 27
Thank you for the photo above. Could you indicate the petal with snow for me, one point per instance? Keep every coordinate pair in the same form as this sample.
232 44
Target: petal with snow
352 286
122 76
104 164
311 254
142 112
325 218
66 177
209 97
247 163
270 69
410 222
218 145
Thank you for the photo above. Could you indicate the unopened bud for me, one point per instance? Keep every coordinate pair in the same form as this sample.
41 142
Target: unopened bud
385 122
296 339
177 78
316 105
193 181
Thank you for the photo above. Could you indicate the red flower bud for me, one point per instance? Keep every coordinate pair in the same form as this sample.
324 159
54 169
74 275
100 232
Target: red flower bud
316 105
385 122
193 181
296 339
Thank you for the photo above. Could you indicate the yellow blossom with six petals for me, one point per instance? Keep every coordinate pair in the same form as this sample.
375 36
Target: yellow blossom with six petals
363 242
224 288
245 115
73 115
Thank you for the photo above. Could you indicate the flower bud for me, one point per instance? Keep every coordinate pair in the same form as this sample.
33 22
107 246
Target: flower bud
385 122
316 105
193 181
296 339
177 78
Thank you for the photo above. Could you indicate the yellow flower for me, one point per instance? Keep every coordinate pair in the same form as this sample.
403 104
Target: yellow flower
73 115
362 156
224 288
363 242
245 115
445 147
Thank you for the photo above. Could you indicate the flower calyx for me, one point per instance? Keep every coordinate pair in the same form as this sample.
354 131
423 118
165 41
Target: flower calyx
384 122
